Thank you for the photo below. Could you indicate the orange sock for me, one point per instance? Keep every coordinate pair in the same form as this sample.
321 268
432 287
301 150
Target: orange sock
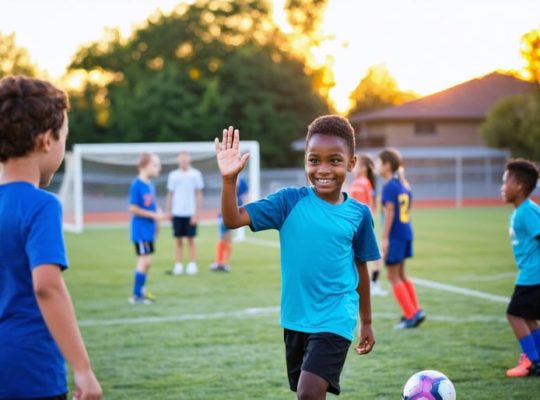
412 294
226 252
402 296
220 252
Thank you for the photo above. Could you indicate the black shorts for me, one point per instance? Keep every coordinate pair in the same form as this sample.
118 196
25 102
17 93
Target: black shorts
322 354
143 248
525 302
182 227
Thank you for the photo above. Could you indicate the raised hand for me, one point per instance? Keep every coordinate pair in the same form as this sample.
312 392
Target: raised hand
229 159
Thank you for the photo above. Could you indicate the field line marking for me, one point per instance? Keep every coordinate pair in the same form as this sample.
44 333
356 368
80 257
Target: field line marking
420 282
251 312
466 292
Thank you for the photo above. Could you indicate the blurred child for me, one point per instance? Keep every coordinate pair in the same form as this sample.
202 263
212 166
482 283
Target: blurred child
326 240
38 327
144 219
224 245
523 313
397 237
184 201
363 190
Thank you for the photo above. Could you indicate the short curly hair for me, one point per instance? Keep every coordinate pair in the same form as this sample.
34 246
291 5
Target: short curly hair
28 107
333 125
524 172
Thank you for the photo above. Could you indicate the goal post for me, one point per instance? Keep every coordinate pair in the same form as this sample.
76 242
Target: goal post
97 178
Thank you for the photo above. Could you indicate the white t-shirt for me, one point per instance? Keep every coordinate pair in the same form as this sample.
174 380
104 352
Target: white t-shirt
184 186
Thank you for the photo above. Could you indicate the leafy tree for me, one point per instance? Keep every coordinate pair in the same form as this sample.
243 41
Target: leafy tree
14 60
514 124
186 75
377 89
530 50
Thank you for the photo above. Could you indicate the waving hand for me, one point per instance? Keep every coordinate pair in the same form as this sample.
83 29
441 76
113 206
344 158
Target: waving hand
229 159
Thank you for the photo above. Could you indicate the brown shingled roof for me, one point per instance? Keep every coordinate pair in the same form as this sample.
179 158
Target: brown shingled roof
468 100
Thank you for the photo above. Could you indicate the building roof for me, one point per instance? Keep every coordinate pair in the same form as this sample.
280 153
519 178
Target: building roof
468 100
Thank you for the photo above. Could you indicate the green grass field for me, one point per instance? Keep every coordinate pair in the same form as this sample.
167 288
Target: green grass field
216 335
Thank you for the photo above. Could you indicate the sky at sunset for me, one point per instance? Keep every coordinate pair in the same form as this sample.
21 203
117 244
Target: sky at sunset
427 45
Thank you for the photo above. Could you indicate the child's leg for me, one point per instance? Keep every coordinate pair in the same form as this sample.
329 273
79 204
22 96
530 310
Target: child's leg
141 271
523 334
192 249
311 386
412 293
400 290
179 249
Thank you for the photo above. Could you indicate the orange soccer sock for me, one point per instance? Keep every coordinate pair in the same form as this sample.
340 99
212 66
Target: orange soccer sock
220 252
402 296
226 252
412 294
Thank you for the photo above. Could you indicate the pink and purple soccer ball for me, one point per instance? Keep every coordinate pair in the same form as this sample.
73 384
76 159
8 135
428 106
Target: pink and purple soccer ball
429 385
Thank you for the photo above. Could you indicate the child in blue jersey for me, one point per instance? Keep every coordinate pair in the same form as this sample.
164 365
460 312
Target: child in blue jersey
397 237
326 239
38 327
523 313
144 218
224 245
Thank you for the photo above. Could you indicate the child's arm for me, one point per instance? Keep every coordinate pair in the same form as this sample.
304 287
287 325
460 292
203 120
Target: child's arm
387 225
366 339
141 212
57 309
230 163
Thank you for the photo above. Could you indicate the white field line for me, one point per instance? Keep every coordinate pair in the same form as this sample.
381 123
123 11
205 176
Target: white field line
420 282
253 312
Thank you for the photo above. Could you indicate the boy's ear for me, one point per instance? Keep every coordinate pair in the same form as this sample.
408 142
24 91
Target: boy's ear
43 141
352 163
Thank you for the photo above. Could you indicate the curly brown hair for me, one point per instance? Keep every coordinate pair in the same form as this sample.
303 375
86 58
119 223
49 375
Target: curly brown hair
28 107
333 125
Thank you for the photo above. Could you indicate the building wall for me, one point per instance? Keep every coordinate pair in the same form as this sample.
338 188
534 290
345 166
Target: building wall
402 134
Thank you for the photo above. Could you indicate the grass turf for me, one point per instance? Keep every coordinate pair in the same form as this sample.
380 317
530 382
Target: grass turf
216 335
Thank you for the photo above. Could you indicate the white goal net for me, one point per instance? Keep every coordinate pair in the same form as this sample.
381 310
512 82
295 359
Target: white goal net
97 177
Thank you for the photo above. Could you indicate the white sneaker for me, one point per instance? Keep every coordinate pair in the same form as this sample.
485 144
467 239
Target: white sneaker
178 269
377 290
191 268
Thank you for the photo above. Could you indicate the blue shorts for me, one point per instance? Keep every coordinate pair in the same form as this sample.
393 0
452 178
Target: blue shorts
398 251
182 227
222 228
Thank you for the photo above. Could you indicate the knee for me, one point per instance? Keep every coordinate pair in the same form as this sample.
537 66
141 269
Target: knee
309 393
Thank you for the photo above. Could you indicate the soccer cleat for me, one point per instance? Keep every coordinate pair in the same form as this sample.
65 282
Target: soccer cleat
522 369
377 290
534 370
419 317
414 322
191 268
149 295
178 269
139 300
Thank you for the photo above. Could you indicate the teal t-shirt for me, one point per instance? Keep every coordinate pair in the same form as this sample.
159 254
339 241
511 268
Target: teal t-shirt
319 243
524 235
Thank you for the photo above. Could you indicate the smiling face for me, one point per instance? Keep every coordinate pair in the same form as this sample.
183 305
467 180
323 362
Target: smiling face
327 162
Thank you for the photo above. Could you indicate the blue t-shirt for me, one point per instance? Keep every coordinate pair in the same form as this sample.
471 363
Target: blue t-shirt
31 364
319 243
396 193
524 235
143 195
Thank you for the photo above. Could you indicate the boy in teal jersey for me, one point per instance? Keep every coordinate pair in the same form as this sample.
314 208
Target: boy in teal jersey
326 239
38 327
523 313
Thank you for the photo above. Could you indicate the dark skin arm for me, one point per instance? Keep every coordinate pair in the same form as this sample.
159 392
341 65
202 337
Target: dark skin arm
231 163
366 339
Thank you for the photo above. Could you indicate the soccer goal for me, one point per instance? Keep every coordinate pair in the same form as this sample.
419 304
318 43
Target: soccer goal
97 178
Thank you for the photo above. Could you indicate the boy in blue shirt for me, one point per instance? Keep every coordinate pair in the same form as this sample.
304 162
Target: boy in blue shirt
326 239
144 217
38 327
523 313
397 237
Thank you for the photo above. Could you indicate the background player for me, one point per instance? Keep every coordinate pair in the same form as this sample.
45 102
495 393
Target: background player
144 218
397 237
363 189
184 202
523 313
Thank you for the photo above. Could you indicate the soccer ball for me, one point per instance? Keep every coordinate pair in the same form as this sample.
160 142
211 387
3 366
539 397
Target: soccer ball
429 385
